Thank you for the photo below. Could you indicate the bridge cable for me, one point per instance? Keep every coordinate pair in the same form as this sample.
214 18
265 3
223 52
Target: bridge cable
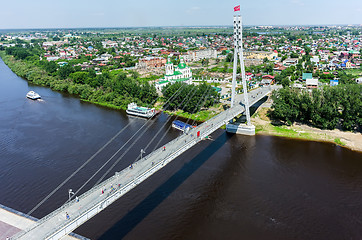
175 119
163 136
77 170
129 148
204 98
161 128
83 165
99 169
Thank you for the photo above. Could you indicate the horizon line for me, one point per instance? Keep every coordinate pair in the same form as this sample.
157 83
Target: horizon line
189 26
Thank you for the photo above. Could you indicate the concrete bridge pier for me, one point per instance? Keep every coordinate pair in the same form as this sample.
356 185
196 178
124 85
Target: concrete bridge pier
240 128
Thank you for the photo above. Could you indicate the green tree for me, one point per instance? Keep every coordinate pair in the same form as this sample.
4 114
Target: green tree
50 67
188 99
285 105
229 58
65 71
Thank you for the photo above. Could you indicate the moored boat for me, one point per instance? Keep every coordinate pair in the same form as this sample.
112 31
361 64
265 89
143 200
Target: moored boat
33 95
135 110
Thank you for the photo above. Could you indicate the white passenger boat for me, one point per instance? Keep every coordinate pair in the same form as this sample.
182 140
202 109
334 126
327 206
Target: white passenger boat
33 95
133 109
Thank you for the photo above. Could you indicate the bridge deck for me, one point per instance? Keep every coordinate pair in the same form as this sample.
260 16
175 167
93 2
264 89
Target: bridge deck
55 225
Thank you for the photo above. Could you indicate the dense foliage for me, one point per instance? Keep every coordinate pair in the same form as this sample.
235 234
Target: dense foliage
189 98
114 89
325 108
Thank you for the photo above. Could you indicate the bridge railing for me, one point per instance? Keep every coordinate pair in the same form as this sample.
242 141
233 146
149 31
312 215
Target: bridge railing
215 122
176 151
61 209
112 179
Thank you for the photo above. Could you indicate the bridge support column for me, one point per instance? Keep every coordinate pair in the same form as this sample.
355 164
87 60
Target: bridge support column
240 128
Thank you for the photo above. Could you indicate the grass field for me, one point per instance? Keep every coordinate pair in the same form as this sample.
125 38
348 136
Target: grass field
354 71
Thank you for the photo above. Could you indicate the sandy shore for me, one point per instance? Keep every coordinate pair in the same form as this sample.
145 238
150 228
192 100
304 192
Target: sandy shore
263 125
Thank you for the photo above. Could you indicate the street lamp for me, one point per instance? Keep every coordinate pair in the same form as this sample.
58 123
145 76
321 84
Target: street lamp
70 193
142 151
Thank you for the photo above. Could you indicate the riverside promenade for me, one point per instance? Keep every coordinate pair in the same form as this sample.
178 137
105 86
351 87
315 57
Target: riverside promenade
12 222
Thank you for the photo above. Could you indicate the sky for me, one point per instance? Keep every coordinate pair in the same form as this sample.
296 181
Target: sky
22 14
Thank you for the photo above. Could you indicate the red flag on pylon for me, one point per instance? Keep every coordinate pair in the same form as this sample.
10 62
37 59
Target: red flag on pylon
237 8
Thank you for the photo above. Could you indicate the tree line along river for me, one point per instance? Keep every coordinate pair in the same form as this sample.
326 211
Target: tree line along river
233 187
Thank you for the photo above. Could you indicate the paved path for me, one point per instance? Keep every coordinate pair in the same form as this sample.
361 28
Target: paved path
12 222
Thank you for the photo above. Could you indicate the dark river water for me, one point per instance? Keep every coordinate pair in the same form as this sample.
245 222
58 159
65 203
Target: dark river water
233 187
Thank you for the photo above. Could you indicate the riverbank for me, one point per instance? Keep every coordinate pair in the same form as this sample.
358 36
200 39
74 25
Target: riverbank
117 91
260 120
84 92
264 126
200 116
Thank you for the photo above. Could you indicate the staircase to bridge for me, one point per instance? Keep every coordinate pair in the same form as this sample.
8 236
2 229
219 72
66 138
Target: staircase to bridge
57 225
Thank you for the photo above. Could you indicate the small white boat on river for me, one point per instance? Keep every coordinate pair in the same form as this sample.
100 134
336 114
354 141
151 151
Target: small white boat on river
33 95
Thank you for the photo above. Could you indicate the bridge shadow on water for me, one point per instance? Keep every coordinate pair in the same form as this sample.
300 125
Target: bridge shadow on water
138 213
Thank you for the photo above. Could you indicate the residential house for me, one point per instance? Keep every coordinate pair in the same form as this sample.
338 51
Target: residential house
267 80
306 76
311 83
315 60
154 62
201 54
278 67
333 83
290 62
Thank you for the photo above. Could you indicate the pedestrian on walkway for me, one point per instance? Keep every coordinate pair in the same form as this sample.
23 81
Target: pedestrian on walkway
164 148
76 199
102 191
67 215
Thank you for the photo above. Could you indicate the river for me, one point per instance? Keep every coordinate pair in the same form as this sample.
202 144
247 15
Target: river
232 187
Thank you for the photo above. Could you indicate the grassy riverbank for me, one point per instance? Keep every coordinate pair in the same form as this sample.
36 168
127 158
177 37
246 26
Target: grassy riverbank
101 97
264 125
117 91
200 116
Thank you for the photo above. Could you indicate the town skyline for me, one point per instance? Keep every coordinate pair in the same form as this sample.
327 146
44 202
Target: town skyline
113 14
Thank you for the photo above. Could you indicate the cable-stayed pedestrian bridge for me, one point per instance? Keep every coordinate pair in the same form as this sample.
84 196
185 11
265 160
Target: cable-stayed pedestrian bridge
70 216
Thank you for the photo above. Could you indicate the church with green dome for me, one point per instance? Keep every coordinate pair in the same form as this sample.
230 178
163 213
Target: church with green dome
180 73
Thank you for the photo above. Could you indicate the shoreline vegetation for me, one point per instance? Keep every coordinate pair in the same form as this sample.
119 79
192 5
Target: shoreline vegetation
262 122
116 91
115 95
265 126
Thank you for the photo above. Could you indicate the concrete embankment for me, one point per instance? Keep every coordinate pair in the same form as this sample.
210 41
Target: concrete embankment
12 222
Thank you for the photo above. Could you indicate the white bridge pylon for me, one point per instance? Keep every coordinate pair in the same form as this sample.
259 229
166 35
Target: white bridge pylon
238 50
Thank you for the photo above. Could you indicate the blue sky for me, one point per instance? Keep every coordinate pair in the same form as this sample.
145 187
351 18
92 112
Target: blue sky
121 13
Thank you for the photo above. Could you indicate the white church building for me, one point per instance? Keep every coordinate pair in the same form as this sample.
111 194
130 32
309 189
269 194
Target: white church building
180 73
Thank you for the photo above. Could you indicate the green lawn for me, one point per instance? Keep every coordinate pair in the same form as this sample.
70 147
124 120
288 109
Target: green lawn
354 71
200 116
